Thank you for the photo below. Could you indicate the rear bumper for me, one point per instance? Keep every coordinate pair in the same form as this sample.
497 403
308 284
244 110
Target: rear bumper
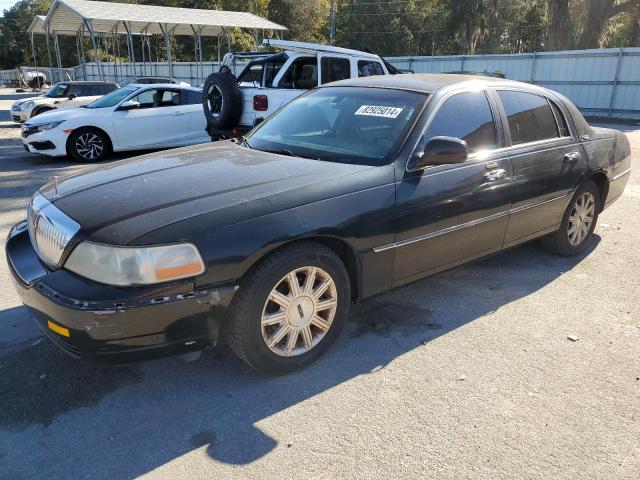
115 325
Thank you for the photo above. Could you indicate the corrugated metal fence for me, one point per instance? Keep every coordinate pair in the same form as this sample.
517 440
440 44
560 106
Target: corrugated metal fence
190 72
602 82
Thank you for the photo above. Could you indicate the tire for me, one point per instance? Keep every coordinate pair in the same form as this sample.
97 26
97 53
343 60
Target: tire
254 319
88 145
221 100
573 238
38 111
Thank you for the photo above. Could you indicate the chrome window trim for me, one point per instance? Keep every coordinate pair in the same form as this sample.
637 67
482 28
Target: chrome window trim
472 223
622 174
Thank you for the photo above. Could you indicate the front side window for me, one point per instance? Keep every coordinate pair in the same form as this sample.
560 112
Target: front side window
79 90
466 116
57 91
341 124
530 117
334 69
368 68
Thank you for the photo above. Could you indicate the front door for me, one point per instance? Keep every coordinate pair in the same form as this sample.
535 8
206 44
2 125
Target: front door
547 161
160 120
449 214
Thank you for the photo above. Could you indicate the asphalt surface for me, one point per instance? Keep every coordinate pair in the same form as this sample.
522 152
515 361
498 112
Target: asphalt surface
468 374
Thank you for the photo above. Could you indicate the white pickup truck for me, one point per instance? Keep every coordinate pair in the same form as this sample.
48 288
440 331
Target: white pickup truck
266 81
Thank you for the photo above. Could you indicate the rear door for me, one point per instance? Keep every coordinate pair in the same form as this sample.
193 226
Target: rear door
334 67
547 159
192 103
449 214
160 120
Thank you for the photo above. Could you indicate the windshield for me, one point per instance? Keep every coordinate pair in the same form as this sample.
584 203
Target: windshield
57 91
341 124
113 98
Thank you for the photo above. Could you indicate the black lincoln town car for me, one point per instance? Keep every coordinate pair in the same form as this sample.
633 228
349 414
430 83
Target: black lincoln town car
355 188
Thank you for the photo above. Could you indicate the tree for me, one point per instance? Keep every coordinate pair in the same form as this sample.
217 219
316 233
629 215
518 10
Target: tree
560 29
598 15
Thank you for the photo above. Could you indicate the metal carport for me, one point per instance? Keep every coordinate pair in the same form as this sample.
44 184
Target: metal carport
81 18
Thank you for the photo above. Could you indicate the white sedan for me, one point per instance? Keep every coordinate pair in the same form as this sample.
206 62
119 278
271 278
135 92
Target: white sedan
136 117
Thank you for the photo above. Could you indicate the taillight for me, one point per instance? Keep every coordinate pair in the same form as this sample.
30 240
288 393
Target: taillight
260 103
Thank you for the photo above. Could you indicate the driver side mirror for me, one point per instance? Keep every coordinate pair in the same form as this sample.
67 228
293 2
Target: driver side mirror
129 105
72 96
441 151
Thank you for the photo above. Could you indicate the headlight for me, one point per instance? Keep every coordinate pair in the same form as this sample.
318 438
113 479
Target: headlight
126 266
47 126
28 105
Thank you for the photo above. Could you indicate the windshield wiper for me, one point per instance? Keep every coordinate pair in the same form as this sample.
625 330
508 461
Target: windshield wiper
289 153
245 142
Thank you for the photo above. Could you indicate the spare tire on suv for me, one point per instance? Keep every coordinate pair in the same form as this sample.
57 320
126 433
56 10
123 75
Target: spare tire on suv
221 100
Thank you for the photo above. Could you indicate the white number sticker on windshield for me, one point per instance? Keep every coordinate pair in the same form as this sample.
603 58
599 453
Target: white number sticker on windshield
379 111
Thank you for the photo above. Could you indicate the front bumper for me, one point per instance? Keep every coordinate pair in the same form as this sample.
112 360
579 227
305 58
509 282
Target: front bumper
114 325
51 142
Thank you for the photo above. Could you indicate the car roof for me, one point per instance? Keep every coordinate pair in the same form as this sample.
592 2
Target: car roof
314 48
426 82
163 85
86 82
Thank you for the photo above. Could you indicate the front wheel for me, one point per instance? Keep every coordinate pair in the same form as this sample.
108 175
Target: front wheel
88 145
578 222
289 309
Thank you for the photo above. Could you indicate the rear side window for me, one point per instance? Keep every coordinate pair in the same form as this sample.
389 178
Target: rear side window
334 69
466 116
530 117
301 74
191 97
368 68
252 76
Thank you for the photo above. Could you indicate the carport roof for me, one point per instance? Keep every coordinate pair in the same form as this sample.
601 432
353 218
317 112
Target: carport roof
69 16
37 25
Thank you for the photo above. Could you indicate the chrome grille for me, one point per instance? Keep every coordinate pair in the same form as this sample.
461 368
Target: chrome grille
50 230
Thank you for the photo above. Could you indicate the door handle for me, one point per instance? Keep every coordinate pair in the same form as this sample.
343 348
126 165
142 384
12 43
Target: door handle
495 175
572 157
178 113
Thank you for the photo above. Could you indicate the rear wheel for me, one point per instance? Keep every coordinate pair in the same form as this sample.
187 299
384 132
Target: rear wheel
88 145
289 309
578 222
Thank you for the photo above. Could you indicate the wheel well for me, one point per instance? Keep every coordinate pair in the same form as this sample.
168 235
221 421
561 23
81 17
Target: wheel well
109 146
601 180
340 248
40 109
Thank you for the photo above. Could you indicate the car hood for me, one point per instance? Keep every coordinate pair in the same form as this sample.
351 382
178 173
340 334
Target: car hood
56 115
122 201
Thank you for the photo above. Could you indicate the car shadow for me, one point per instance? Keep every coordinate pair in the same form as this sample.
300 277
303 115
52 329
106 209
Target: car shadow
133 419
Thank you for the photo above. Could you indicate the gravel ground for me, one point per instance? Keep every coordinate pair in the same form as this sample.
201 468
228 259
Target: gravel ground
468 374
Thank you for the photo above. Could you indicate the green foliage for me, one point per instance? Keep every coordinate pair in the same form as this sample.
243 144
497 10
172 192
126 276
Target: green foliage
387 27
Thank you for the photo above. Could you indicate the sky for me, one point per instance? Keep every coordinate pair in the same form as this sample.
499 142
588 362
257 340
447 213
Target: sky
4 4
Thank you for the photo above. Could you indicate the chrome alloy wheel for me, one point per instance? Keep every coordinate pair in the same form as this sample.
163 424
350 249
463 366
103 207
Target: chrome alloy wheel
299 311
215 100
581 218
89 146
